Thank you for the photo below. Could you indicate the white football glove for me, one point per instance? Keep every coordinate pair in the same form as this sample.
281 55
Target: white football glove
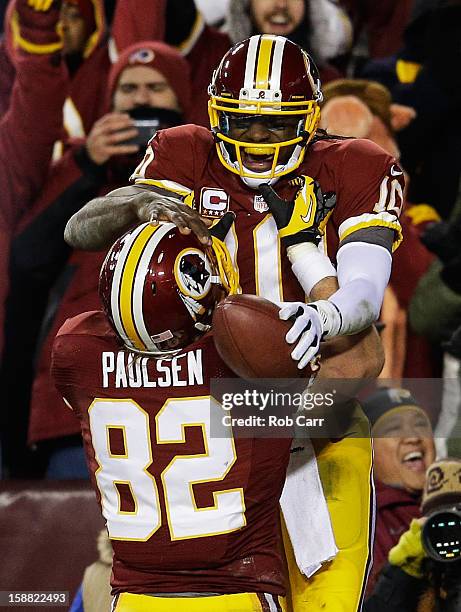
313 322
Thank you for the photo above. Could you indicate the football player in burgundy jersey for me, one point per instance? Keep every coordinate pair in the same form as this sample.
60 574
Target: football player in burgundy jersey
345 193
192 513
316 217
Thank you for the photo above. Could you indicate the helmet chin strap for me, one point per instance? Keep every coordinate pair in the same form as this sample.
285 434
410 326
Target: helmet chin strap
254 183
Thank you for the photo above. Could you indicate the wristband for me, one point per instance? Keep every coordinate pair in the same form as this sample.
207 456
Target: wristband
330 316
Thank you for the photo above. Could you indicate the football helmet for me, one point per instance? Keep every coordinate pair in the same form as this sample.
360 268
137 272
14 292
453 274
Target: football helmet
159 287
268 76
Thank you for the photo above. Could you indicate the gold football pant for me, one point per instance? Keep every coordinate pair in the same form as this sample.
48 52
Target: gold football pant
239 602
346 473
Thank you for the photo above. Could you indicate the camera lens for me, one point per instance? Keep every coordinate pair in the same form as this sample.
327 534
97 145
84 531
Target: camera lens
442 535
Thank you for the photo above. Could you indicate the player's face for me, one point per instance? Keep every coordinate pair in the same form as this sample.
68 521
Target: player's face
143 86
277 16
257 129
73 29
403 448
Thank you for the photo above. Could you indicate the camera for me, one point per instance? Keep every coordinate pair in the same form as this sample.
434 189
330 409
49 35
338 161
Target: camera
148 120
441 535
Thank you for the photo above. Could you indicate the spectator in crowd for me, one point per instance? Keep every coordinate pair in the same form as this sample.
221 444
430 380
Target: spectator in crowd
319 26
147 75
421 76
85 50
381 23
29 129
403 450
439 319
413 581
364 109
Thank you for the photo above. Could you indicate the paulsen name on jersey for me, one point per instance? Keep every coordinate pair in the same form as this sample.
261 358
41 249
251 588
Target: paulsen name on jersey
124 369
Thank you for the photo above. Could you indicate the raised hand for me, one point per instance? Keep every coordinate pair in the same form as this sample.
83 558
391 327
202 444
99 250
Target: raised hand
34 26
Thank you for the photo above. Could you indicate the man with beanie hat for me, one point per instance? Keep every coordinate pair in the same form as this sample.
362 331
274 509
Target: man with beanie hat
146 76
403 449
169 81
413 581
151 79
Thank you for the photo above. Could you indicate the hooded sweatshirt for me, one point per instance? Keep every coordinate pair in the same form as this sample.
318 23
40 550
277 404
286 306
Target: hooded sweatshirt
27 131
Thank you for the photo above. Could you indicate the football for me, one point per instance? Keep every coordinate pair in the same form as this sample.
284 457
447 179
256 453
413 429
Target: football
250 339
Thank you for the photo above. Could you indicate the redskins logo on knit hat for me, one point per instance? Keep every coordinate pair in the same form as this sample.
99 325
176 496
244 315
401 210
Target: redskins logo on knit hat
443 485
142 56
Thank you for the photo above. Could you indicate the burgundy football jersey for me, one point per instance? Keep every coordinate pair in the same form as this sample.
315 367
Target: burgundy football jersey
365 183
188 507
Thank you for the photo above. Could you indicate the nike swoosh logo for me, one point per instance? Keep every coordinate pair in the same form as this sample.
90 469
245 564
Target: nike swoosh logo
307 217
396 171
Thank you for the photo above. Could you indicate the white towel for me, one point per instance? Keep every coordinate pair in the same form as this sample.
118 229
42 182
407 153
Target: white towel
306 512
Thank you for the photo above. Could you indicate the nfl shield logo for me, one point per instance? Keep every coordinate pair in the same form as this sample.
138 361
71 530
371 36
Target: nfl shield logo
259 204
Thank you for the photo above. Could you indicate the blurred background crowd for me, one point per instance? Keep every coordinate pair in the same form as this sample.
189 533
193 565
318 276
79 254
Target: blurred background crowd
76 83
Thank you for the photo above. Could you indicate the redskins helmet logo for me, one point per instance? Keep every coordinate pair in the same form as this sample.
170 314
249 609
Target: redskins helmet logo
193 273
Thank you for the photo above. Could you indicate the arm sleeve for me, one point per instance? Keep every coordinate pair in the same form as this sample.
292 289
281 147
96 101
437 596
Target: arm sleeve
371 191
29 130
363 274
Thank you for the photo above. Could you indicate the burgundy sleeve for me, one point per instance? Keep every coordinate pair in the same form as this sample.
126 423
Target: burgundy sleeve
370 190
169 162
29 130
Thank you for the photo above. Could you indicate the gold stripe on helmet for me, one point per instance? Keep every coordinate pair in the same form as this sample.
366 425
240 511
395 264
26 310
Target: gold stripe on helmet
263 65
127 285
